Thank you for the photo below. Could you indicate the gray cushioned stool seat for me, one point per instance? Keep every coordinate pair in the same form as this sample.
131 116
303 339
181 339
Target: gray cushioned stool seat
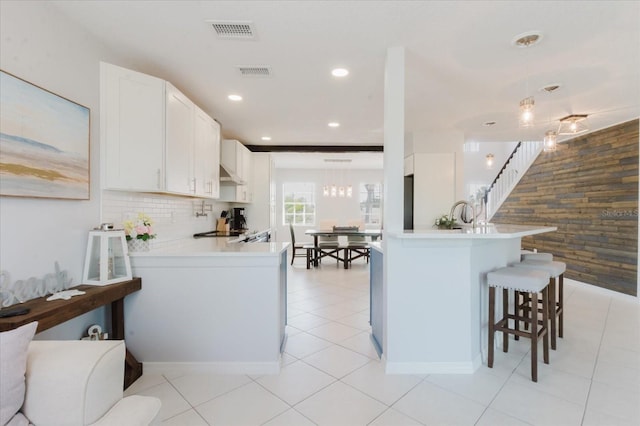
520 279
547 257
554 268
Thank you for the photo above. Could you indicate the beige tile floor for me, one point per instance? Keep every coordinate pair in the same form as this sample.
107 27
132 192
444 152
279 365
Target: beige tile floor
331 375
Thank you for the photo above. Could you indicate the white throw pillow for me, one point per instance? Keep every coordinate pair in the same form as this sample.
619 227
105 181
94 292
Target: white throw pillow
13 365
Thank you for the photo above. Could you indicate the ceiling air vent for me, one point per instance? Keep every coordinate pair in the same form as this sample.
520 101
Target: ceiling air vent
254 70
234 29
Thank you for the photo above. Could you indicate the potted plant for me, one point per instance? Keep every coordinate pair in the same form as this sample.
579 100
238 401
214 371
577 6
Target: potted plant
443 222
139 232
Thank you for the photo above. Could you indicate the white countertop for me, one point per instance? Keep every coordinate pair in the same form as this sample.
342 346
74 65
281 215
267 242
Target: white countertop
490 231
215 247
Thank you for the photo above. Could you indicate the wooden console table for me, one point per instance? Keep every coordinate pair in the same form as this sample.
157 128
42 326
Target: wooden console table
50 314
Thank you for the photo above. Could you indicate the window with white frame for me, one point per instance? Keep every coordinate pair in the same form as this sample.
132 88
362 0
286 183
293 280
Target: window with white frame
371 203
298 205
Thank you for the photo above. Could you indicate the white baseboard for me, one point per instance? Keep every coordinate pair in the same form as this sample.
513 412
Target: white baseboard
180 368
433 367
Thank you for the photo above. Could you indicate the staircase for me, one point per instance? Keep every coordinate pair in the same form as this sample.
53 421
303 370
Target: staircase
522 157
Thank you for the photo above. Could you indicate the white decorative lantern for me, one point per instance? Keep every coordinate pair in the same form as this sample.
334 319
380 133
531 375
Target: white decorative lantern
107 260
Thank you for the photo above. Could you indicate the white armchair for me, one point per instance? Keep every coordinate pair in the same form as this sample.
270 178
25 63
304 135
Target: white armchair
80 383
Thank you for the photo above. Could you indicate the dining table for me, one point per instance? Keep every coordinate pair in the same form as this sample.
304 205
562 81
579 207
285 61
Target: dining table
374 234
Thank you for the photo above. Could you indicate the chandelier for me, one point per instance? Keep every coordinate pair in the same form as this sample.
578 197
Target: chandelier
334 190
573 124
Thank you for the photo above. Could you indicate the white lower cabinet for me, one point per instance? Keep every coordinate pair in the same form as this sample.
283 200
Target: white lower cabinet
234 307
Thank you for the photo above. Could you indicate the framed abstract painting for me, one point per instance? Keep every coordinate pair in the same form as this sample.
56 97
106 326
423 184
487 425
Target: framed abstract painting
44 142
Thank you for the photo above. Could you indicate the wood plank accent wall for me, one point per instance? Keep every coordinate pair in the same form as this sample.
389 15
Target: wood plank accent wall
588 188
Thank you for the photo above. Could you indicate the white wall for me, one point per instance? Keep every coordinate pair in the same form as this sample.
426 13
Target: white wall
342 210
476 173
42 46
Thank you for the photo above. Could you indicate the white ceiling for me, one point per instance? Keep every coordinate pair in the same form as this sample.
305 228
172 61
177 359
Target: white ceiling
462 69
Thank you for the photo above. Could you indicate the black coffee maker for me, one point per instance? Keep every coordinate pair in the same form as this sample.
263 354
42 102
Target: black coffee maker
238 219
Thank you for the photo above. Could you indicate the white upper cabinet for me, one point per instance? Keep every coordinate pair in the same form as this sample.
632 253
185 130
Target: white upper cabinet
244 192
132 129
207 155
237 165
154 138
236 161
180 142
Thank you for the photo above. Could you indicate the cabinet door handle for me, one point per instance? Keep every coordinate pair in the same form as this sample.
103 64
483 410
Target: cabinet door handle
158 172
193 181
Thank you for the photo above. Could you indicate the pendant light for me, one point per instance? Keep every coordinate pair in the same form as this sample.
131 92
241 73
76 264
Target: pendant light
340 190
526 111
550 141
489 161
573 124
525 41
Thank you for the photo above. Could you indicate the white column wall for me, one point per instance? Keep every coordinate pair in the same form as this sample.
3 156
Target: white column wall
394 133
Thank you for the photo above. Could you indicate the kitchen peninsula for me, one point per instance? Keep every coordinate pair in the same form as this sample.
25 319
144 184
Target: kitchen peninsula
434 319
209 305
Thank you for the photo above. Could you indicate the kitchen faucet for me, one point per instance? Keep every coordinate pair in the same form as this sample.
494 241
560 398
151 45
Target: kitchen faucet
203 209
465 203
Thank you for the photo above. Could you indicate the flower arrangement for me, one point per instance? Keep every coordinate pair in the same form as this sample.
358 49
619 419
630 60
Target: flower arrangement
140 229
443 222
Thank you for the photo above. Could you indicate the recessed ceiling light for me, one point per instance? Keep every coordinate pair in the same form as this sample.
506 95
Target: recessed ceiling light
527 39
334 124
234 97
266 138
340 72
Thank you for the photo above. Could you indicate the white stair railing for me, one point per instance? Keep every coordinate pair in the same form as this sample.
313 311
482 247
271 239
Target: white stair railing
518 163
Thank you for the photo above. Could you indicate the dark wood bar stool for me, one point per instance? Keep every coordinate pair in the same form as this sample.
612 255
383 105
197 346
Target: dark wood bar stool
529 281
556 290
